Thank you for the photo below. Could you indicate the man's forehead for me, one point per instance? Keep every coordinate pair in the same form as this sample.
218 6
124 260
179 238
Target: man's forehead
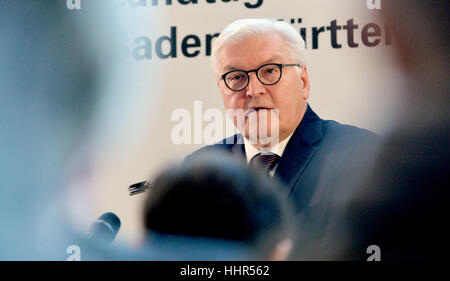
236 62
252 52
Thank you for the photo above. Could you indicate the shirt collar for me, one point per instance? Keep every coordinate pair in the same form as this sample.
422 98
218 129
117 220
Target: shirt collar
278 149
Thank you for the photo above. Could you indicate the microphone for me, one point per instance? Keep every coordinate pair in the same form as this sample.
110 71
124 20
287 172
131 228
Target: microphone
104 229
139 187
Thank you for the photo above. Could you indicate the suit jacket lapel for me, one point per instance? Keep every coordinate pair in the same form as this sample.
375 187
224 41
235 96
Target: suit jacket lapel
300 149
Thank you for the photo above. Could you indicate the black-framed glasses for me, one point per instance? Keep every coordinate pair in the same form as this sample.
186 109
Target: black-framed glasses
268 74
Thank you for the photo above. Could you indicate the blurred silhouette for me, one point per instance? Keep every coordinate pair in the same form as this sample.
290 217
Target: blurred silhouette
57 67
213 198
401 206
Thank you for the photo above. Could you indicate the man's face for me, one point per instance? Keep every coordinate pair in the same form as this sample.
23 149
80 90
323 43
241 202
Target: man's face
289 95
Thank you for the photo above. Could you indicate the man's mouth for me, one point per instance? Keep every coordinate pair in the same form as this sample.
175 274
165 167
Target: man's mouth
257 108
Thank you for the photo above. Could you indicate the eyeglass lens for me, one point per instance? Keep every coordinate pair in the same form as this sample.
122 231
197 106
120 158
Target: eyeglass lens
267 74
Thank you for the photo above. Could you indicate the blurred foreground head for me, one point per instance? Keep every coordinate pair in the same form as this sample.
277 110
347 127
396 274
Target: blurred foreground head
402 208
216 197
57 67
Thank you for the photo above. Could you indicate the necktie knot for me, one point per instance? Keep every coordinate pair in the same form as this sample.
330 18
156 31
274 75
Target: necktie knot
264 161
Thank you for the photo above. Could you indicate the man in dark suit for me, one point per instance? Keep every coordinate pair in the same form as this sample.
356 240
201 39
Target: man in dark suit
262 75
263 78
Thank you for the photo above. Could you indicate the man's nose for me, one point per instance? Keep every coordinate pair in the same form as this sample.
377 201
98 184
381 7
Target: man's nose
255 87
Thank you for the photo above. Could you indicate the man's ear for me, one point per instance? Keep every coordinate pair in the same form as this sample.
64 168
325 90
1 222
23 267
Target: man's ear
281 250
305 83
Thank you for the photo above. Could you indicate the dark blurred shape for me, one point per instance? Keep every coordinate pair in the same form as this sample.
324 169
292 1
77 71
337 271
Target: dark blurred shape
104 230
406 203
214 197
402 207
55 63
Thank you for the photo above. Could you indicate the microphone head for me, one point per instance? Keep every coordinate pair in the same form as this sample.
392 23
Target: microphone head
104 229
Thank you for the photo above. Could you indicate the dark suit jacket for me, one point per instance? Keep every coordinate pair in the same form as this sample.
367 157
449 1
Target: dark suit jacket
313 160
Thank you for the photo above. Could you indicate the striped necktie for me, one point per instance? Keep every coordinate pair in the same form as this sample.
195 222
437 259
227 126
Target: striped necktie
264 161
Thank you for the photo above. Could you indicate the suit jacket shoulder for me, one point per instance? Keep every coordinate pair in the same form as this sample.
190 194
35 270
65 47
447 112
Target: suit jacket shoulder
232 144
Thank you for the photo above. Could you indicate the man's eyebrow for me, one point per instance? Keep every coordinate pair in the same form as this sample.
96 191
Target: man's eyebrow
272 59
229 67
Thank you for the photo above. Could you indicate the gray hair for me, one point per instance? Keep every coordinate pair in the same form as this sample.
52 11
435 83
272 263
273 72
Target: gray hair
243 28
